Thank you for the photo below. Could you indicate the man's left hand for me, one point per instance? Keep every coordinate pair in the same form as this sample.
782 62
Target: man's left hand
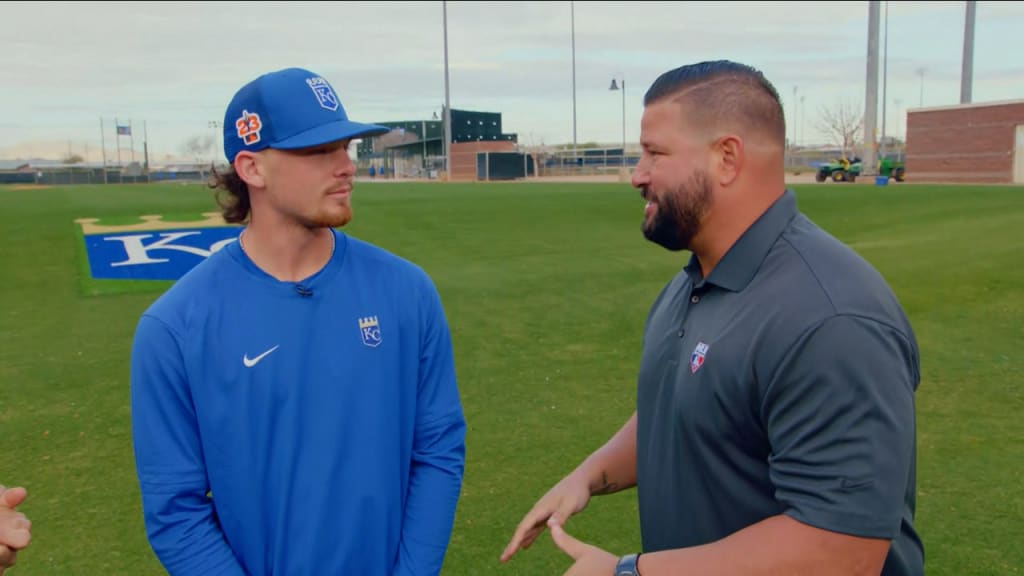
588 560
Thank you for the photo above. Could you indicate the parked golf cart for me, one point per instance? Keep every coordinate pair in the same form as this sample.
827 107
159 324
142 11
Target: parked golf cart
843 170
839 170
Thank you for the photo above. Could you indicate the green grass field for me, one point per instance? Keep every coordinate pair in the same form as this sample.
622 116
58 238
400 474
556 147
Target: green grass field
546 287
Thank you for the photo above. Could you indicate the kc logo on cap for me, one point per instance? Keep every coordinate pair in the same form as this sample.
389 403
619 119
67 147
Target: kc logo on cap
288 109
323 92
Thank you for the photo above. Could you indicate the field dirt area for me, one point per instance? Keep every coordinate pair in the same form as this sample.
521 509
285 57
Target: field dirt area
23 187
801 178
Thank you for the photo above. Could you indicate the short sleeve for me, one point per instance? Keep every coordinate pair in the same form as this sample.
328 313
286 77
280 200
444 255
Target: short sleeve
839 413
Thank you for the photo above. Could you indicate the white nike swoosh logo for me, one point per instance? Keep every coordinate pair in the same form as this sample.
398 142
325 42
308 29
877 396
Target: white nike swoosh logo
250 362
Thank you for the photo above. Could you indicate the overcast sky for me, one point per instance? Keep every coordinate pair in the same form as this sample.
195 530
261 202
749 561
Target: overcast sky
175 65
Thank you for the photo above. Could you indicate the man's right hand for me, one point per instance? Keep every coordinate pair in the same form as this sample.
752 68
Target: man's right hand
566 498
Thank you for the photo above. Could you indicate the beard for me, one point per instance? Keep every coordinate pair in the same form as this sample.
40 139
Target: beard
332 220
679 213
333 217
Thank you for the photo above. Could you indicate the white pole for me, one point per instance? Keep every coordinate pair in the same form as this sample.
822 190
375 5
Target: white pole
572 16
447 101
885 75
103 150
869 165
967 69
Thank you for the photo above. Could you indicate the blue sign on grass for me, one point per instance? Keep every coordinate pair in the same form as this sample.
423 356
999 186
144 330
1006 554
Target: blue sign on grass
154 254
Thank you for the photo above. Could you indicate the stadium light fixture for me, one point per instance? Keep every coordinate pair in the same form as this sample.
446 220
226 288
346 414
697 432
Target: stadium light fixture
615 87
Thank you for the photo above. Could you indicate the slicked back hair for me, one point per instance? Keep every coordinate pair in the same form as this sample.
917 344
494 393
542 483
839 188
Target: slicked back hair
722 94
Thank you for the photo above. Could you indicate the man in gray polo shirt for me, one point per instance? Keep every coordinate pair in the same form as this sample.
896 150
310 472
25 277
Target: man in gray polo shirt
775 425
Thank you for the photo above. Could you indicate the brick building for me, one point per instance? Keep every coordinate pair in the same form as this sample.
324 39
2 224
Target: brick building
981 142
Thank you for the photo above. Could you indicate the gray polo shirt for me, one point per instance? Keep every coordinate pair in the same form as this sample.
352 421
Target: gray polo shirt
783 383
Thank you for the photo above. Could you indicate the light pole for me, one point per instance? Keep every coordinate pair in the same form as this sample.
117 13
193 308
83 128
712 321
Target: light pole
615 86
920 72
792 141
447 101
967 68
803 114
900 129
572 21
885 74
216 125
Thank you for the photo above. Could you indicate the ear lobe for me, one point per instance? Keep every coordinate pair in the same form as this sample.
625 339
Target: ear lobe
248 168
731 157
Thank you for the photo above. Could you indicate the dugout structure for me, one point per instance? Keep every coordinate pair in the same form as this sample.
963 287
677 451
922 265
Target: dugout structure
504 165
415 148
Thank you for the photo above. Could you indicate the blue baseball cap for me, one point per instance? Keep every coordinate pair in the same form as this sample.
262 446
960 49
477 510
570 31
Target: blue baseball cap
288 109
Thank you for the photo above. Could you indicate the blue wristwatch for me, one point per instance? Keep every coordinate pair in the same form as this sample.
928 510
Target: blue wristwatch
627 565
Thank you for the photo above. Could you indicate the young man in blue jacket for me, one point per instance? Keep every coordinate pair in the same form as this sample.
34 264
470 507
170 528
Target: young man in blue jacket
294 403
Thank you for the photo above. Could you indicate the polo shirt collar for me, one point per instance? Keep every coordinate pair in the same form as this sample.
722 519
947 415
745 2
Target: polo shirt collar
735 270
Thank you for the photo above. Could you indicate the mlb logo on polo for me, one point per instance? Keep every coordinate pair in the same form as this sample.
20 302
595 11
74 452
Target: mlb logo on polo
323 93
697 358
369 331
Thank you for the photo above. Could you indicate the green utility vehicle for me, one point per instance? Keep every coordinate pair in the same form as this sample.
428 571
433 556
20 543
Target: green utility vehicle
843 170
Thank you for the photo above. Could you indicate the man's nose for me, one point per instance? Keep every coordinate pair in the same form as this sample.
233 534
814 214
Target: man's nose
640 176
344 166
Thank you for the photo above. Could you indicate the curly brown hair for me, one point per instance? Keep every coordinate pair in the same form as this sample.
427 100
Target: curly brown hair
232 194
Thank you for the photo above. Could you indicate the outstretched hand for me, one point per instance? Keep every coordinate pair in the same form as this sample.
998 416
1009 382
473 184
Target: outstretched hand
588 560
12 497
566 498
15 528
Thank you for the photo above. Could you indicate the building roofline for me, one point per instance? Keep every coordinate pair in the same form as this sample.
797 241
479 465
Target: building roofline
413 143
961 106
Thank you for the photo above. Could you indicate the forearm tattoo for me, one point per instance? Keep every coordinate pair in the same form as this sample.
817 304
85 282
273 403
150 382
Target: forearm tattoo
606 486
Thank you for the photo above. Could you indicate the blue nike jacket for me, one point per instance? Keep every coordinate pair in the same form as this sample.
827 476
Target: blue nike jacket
285 428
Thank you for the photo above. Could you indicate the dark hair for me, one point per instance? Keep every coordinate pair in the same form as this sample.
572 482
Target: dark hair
232 194
724 93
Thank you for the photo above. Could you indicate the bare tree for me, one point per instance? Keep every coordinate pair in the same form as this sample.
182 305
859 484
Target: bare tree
843 124
199 147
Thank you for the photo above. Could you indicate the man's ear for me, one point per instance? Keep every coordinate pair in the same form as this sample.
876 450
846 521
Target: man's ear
247 166
730 156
